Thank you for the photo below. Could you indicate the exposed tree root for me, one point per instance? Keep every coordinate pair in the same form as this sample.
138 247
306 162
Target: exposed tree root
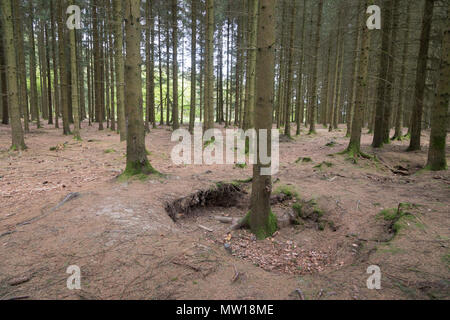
222 195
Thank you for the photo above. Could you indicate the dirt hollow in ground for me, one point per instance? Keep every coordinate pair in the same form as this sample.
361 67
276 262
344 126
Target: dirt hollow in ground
127 246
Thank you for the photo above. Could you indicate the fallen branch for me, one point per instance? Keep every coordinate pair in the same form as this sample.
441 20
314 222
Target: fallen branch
205 228
236 276
226 219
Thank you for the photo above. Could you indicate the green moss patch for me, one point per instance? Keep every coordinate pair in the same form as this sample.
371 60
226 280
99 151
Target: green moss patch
288 191
303 160
323 164
399 218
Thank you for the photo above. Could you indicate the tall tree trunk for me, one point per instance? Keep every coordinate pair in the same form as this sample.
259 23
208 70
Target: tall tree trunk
314 100
43 69
390 75
290 72
150 67
383 74
254 7
354 83
120 81
98 84
23 92
137 162
18 142
239 64
439 118
209 66
63 73
261 220
33 84
175 115
168 72
300 99
56 86
74 82
416 118
161 95
193 65
354 147
334 107
49 78
398 135
3 74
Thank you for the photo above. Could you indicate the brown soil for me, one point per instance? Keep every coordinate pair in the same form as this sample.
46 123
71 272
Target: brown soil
128 247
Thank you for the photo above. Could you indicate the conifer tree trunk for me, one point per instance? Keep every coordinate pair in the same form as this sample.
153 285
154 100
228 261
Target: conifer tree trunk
439 118
290 72
261 220
22 73
56 86
193 65
383 74
238 72
18 142
175 114
398 135
49 78
112 68
333 108
254 7
43 70
33 85
168 72
119 68
161 96
422 59
390 75
314 101
98 84
352 94
209 66
63 73
4 86
137 162
150 67
354 147
299 101
74 83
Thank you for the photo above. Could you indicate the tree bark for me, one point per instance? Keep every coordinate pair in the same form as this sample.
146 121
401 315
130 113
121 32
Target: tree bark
18 142
261 220
314 101
416 118
137 162
119 66
439 117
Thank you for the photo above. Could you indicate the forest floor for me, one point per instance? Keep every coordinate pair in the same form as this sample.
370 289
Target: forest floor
127 246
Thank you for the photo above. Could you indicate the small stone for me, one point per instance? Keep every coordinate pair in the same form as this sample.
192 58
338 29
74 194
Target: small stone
228 248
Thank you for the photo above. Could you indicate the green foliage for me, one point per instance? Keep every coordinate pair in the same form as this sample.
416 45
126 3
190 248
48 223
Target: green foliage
110 151
241 165
298 209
